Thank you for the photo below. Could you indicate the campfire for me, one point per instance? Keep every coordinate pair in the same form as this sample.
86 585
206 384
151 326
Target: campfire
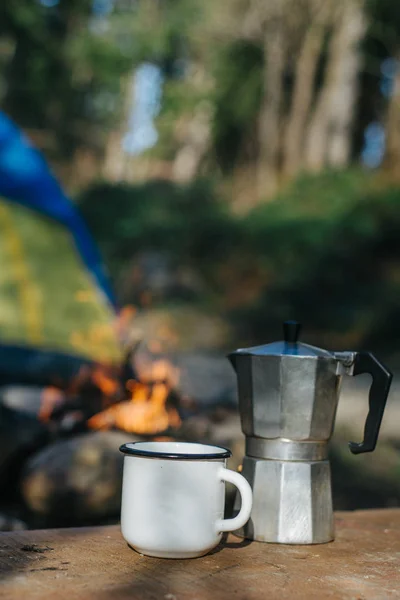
60 463
138 397
102 398
146 411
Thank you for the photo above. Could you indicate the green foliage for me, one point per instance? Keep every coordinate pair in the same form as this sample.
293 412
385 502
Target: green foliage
384 23
179 100
326 252
381 42
331 249
186 222
237 98
38 69
64 75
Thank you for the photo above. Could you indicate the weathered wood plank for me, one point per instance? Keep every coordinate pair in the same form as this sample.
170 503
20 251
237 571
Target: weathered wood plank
363 563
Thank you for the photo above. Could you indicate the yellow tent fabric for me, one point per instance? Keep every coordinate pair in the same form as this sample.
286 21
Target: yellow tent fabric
48 299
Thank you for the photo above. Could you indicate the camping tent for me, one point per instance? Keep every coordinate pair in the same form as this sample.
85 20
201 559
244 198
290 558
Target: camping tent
56 304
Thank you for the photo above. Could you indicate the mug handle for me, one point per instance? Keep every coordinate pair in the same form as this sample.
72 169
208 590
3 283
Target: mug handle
247 501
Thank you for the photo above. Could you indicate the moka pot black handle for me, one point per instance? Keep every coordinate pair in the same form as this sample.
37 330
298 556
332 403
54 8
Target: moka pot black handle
365 362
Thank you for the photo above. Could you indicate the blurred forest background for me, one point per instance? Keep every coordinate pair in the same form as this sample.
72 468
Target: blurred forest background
240 158
238 164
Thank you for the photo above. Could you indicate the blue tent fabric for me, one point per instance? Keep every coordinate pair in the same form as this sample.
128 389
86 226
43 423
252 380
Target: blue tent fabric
26 178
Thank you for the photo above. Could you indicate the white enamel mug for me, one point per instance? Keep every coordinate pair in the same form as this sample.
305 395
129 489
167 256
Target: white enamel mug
173 498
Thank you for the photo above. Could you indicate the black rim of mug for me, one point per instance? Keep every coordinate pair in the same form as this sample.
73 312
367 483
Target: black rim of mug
130 450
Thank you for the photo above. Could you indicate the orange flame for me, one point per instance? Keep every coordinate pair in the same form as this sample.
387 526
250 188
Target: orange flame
145 411
105 382
51 397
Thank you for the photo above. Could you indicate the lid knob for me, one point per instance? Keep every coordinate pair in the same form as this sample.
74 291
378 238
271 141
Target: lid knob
291 331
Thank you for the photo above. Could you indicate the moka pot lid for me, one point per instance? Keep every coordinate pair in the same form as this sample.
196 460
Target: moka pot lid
289 346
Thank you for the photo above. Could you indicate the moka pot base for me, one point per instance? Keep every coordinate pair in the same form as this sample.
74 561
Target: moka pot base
292 501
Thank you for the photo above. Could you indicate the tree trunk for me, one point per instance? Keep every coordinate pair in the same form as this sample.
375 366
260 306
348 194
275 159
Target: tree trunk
189 157
270 113
303 91
329 134
116 162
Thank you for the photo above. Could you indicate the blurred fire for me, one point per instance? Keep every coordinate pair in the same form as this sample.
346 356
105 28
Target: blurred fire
132 397
105 382
146 411
51 397
138 406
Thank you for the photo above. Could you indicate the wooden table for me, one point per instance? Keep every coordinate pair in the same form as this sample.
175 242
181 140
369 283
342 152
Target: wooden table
95 563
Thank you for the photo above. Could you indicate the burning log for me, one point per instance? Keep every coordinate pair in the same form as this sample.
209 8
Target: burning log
102 398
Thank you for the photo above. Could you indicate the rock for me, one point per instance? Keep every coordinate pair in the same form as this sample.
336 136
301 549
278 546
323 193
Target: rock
20 434
78 481
201 381
8 523
75 481
196 428
22 398
206 378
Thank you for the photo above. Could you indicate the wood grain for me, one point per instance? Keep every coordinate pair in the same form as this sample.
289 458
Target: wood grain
95 563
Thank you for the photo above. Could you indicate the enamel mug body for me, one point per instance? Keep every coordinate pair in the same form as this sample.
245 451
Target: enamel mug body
173 498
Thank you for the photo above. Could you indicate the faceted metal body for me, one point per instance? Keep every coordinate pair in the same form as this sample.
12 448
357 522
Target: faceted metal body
288 406
292 501
291 397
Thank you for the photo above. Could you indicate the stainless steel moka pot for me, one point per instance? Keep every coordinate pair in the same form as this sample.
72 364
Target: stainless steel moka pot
288 395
